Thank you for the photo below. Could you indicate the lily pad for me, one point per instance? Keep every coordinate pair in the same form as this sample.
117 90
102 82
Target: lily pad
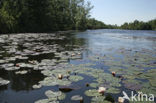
76 98
37 86
52 81
4 82
148 89
12 68
94 85
113 90
153 82
92 92
22 72
75 78
42 101
132 84
53 96
99 99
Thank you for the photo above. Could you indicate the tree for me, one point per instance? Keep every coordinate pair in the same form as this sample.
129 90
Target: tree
140 25
43 15
7 18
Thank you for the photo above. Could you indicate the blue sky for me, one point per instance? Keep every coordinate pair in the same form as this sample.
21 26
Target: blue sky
120 11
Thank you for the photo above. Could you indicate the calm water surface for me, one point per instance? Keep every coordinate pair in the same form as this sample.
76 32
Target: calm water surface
97 42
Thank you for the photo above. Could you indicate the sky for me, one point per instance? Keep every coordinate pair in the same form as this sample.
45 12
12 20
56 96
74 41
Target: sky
120 11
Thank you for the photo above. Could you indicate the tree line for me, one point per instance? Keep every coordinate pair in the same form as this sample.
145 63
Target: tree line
55 15
140 25
43 15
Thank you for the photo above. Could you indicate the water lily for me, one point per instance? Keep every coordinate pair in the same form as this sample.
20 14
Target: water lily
101 90
113 73
60 76
73 54
121 100
32 62
17 65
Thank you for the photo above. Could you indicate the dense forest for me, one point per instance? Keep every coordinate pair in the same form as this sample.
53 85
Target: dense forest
43 15
55 15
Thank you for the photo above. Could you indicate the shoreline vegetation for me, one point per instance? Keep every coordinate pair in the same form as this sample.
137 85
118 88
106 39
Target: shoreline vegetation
38 16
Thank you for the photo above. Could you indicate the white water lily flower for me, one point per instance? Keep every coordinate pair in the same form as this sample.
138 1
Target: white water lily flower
101 90
121 100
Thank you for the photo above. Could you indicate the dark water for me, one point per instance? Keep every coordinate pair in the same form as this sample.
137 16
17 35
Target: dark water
99 42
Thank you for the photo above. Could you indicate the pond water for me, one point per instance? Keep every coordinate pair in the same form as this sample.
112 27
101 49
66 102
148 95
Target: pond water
31 65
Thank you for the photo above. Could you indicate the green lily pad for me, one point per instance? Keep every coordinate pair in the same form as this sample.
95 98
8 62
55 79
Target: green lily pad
99 99
55 72
22 72
62 96
52 81
113 90
75 78
4 82
37 86
42 101
92 92
94 85
148 90
53 96
153 82
76 98
105 78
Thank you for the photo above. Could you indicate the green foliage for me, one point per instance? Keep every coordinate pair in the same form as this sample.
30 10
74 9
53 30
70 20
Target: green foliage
95 24
54 15
139 25
153 24
8 20
43 15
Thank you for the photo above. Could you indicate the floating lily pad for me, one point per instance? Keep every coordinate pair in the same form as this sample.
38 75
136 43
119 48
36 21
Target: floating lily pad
37 86
3 61
55 72
94 85
148 89
132 84
113 90
62 96
4 82
53 96
92 92
153 82
12 68
43 101
7 65
22 72
99 99
75 78
24 65
76 98
52 81
105 78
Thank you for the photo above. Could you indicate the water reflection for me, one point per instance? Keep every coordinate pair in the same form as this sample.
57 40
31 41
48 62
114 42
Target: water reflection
21 82
100 42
